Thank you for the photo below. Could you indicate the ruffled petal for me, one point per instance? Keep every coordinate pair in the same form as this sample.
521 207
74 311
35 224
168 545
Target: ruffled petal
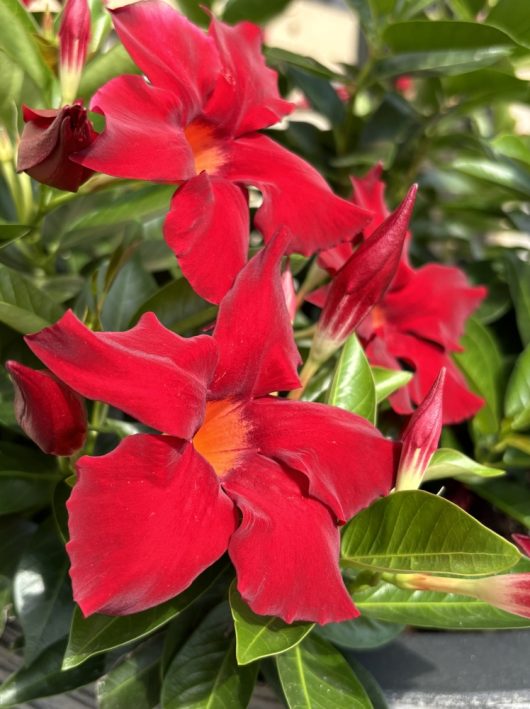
378 355
295 195
257 353
427 360
369 192
143 137
286 549
246 96
207 229
434 303
347 462
173 52
145 521
148 371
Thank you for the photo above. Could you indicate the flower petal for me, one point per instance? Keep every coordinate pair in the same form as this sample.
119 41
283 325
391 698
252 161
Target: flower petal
145 521
257 353
143 137
173 52
427 360
207 229
294 195
246 96
149 372
378 354
286 549
434 303
347 461
369 192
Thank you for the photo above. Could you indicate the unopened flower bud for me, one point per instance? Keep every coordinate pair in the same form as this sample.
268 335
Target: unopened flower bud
47 410
74 35
362 281
523 542
50 136
421 437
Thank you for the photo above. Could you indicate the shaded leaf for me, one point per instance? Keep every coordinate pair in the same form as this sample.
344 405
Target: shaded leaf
509 496
360 633
23 306
254 10
353 385
518 277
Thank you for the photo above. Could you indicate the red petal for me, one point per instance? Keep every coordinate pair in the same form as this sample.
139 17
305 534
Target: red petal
257 353
143 137
347 461
294 195
369 192
145 521
286 550
427 360
149 372
174 53
246 96
48 411
523 542
434 303
378 354
207 228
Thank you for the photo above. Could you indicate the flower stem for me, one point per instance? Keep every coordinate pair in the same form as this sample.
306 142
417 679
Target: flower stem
309 370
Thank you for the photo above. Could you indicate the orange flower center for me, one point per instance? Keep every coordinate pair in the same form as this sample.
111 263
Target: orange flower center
378 317
206 148
223 437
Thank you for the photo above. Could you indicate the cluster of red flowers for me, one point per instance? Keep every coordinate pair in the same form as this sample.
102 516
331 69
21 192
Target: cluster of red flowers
235 467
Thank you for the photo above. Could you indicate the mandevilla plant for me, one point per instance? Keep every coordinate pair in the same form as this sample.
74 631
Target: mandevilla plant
230 352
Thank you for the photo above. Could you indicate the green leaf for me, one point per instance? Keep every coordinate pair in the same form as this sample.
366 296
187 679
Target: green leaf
24 307
17 33
41 592
360 633
204 673
44 677
15 533
315 675
481 362
513 146
512 17
429 609
501 172
387 381
281 58
414 531
21 491
253 10
518 277
5 601
509 496
135 680
193 9
320 94
517 398
99 633
105 66
10 232
448 463
259 636
129 290
440 63
353 385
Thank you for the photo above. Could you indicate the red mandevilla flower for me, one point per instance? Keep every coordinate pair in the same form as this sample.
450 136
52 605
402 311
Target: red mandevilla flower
47 410
74 34
49 138
266 478
195 124
419 320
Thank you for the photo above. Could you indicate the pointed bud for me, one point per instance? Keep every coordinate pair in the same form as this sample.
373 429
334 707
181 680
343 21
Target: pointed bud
49 138
74 34
509 592
362 281
47 410
523 542
421 437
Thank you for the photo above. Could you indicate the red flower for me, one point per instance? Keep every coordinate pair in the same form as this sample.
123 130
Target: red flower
74 34
195 125
49 138
523 542
266 478
419 321
47 410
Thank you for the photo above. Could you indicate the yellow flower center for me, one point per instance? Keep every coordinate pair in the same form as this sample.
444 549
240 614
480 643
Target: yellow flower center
207 151
223 437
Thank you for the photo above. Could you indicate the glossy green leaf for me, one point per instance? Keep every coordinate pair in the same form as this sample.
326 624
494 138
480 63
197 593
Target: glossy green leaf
23 306
518 277
44 677
513 146
280 58
135 681
131 287
361 633
41 592
502 172
517 398
20 490
428 35
509 496
17 32
482 365
440 63
429 609
99 633
314 675
416 531
254 10
512 17
387 381
204 673
259 636
104 67
353 385
448 463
